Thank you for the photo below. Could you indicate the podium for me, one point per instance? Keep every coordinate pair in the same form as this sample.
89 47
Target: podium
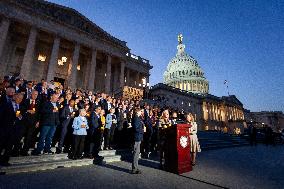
177 149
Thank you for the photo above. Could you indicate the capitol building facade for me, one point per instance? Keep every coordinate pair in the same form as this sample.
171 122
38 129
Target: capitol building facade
43 40
186 88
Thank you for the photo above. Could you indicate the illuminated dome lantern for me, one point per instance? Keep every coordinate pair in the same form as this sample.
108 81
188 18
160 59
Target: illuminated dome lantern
184 73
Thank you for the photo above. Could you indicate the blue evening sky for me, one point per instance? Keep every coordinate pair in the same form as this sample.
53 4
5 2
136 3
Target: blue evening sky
241 41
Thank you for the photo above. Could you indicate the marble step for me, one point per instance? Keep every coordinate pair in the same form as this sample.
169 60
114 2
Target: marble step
41 166
45 163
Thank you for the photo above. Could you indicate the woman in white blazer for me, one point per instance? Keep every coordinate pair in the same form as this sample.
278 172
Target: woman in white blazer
194 144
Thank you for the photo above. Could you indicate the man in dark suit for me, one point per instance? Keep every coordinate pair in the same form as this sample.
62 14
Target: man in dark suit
138 129
149 131
18 85
49 119
105 104
30 108
28 90
8 95
10 126
66 116
43 91
95 132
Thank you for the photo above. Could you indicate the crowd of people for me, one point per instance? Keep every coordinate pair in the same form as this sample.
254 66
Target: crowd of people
80 123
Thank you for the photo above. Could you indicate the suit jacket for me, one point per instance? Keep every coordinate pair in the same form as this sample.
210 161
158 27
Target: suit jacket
30 119
65 113
119 117
95 121
138 128
7 115
28 92
47 116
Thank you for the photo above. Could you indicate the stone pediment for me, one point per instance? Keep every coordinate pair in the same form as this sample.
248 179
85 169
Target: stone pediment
68 16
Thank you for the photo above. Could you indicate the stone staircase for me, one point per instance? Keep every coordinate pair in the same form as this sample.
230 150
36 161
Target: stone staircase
46 162
210 140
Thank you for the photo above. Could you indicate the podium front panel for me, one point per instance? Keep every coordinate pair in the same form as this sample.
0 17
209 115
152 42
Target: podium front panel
177 149
183 148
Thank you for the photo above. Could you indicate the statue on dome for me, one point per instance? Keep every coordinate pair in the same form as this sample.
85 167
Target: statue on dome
180 38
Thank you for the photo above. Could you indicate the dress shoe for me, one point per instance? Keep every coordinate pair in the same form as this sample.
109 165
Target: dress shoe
24 153
36 153
58 151
48 152
136 171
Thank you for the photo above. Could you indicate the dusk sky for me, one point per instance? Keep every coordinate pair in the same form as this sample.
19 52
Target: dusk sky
241 41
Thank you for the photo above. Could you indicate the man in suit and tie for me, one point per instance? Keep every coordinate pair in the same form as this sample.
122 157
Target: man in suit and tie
103 102
49 119
28 90
10 124
66 117
18 85
30 108
95 132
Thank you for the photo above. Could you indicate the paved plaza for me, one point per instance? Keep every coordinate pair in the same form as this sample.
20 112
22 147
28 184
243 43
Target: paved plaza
242 167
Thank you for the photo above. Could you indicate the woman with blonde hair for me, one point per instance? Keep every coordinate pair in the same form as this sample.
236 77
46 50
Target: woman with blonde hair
164 123
194 144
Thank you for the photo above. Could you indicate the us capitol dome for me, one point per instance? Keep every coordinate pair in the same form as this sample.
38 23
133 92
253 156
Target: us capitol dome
183 72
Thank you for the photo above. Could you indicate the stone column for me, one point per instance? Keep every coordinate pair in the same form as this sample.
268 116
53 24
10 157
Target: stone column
29 55
108 74
137 79
73 66
121 78
86 74
92 73
53 59
4 28
128 77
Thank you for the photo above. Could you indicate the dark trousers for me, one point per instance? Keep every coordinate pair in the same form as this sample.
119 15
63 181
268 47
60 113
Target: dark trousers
79 142
136 151
108 136
64 132
29 137
18 133
6 143
98 135
147 142
45 138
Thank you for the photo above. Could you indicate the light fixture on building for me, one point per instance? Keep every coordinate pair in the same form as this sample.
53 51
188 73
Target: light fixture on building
182 102
64 59
41 58
61 61
105 74
78 67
